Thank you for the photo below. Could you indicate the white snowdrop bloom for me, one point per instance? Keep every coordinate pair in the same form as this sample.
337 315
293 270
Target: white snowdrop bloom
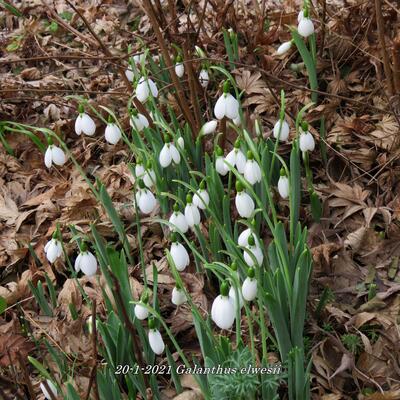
284 48
139 170
252 171
144 88
244 203
192 213
223 309
84 124
86 262
138 121
141 312
226 106
178 220
232 295
243 238
256 251
300 16
306 141
169 153
145 200
181 142
236 158
130 75
237 121
139 58
283 186
201 199
179 69
52 388
155 339
178 296
220 165
149 178
209 127
284 133
249 287
112 133
204 78
305 27
54 155
179 255
53 250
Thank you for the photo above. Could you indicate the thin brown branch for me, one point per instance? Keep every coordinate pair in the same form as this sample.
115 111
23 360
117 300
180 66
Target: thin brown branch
396 65
26 376
49 391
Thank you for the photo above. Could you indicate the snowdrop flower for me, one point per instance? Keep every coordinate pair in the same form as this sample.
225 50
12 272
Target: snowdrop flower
53 249
112 133
169 153
236 158
253 251
52 388
141 311
145 200
138 121
178 220
243 238
201 198
220 165
179 254
232 295
54 155
249 287
204 78
237 120
208 128
139 58
149 176
252 171
283 126
284 48
84 123
283 185
155 339
305 27
179 67
223 309
86 262
144 87
139 169
306 141
192 213
178 296
244 203
130 75
181 142
226 105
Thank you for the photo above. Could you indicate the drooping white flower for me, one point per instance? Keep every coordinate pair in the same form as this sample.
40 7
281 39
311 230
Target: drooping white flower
192 213
155 339
141 312
181 142
305 27
223 309
204 78
244 203
112 133
284 130
86 262
226 105
243 238
306 141
237 121
149 177
138 121
252 171
179 255
53 250
220 165
201 198
145 199
139 169
253 251
179 69
54 155
236 158
144 87
249 287
178 220
283 185
52 387
169 153
84 123
130 75
139 58
178 296
284 48
232 295
209 127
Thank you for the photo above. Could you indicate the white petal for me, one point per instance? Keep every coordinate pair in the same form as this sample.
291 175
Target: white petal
156 341
220 166
147 202
52 252
136 123
142 91
153 88
307 142
209 127
176 157
78 125
244 204
179 70
231 157
181 143
231 107
284 48
165 157
219 108
201 199
243 239
284 134
240 161
305 27
192 215
149 178
129 74
204 78
88 126
141 312
112 134
48 157
252 172
57 156
249 289
139 170
223 312
52 388
178 296
77 264
88 263
179 220
180 256
50 242
283 187
232 295
257 253
300 16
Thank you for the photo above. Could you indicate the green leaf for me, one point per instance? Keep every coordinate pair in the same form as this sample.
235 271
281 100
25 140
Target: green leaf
3 304
40 367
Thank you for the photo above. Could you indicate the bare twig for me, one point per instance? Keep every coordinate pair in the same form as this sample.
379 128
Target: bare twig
49 391
396 65
93 372
26 376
